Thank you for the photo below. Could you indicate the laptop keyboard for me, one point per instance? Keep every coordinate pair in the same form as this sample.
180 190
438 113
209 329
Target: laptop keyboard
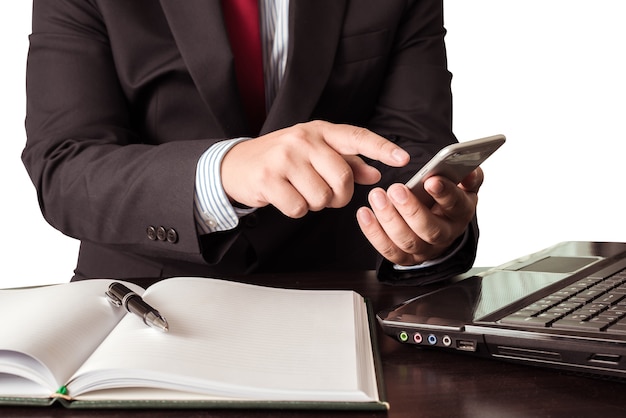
591 304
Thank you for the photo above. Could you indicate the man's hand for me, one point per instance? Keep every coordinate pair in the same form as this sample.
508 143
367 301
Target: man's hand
406 232
306 167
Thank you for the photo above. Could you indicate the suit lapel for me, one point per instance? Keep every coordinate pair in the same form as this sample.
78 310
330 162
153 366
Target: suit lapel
202 40
314 30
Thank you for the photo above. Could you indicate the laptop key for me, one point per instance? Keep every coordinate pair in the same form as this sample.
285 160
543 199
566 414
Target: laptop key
569 305
617 328
610 298
617 311
531 321
573 325
590 293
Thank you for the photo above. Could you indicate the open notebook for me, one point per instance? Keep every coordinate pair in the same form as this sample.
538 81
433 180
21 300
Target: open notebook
562 307
229 345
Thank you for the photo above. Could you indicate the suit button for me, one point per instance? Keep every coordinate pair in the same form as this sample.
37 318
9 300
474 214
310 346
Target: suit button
152 233
172 235
161 233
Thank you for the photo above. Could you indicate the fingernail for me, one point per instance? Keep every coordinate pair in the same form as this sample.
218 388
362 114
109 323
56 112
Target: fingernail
378 199
364 216
398 194
435 187
400 155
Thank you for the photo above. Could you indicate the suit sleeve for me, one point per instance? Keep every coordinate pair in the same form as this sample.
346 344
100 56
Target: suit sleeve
97 180
415 110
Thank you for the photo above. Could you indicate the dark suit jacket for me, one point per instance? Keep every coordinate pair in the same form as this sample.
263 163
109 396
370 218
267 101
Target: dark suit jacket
124 96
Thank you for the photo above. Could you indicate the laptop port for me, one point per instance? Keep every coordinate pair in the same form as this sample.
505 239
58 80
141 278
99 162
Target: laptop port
465 345
605 358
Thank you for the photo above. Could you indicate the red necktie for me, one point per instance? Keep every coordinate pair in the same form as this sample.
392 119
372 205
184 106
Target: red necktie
242 23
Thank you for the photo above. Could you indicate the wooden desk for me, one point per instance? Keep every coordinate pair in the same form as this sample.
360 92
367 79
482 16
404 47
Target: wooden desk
421 382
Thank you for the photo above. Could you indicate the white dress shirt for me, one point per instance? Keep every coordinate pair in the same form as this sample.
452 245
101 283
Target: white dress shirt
213 210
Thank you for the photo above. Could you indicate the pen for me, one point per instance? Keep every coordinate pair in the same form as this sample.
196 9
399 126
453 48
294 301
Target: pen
120 295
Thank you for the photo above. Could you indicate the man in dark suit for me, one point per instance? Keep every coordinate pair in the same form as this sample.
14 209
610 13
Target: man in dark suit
127 98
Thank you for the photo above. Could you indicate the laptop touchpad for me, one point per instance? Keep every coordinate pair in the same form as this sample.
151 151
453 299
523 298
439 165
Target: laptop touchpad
555 264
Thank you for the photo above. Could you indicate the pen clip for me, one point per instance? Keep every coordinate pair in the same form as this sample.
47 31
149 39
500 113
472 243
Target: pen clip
115 301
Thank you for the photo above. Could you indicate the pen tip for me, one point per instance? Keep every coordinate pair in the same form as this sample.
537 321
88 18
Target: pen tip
160 323
163 325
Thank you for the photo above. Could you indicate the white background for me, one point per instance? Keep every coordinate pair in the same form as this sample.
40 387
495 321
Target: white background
549 74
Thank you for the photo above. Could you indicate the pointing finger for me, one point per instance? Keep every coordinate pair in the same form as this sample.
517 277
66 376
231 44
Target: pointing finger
352 140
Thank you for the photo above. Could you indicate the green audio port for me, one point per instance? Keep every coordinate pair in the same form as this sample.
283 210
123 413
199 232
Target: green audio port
403 336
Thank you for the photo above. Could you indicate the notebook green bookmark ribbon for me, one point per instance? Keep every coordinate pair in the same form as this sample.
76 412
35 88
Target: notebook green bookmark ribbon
62 393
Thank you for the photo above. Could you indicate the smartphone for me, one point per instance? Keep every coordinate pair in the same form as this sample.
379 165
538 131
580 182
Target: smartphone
455 162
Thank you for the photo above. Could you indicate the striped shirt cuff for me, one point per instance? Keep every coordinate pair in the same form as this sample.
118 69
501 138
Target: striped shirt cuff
212 210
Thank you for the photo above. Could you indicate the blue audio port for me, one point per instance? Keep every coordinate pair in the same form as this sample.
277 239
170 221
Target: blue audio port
432 340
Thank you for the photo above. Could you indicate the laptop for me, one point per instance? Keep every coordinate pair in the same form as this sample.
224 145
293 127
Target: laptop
562 307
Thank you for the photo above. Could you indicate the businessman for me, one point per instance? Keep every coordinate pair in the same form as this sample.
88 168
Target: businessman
194 138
